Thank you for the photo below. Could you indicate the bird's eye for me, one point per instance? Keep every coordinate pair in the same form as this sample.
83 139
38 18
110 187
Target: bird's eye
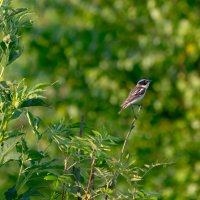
142 82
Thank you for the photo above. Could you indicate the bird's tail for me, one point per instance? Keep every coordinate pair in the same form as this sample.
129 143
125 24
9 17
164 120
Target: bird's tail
123 106
120 111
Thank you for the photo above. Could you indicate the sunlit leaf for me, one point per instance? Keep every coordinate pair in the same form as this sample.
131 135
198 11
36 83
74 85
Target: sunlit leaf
51 178
136 178
34 122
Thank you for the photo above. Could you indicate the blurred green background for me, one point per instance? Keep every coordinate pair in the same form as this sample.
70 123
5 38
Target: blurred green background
97 50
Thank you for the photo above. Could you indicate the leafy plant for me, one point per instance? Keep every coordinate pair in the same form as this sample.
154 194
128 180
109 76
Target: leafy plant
90 169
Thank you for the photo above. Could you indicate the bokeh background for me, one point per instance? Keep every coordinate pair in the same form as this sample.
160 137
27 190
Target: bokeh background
97 50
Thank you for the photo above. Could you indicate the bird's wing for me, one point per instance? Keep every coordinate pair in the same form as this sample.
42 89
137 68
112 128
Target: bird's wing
134 94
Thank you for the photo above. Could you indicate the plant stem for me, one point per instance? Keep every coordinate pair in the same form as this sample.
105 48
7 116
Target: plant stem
20 172
79 158
123 148
92 181
64 172
3 128
90 178
135 190
2 70
129 132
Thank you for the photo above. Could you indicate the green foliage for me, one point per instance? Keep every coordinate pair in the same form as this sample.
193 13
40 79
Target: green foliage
90 169
98 50
11 23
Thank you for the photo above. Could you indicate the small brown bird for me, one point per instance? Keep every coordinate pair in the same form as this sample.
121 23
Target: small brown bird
136 93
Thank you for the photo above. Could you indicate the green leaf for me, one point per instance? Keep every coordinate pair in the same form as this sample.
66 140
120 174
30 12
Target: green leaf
65 178
150 194
11 193
29 193
37 89
33 102
26 178
34 122
127 156
20 10
51 178
16 114
40 86
8 146
22 147
35 155
14 55
1 2
147 166
136 178
97 133
11 156
5 2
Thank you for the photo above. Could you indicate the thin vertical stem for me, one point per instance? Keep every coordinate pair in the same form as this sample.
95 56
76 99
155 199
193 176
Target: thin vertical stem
79 158
90 178
135 190
64 172
114 182
2 70
20 172
92 181
129 132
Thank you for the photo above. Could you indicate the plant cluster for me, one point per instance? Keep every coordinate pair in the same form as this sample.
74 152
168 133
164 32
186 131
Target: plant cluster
90 169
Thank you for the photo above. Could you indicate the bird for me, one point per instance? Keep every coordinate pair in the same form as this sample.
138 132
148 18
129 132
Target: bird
136 94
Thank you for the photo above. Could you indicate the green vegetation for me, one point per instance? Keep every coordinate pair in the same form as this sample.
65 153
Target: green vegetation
93 53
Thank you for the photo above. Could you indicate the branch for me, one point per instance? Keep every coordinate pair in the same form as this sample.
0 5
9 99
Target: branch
92 181
79 158
123 148
64 172
129 132
91 177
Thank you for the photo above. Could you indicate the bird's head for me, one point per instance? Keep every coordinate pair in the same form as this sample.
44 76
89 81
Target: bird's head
144 83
